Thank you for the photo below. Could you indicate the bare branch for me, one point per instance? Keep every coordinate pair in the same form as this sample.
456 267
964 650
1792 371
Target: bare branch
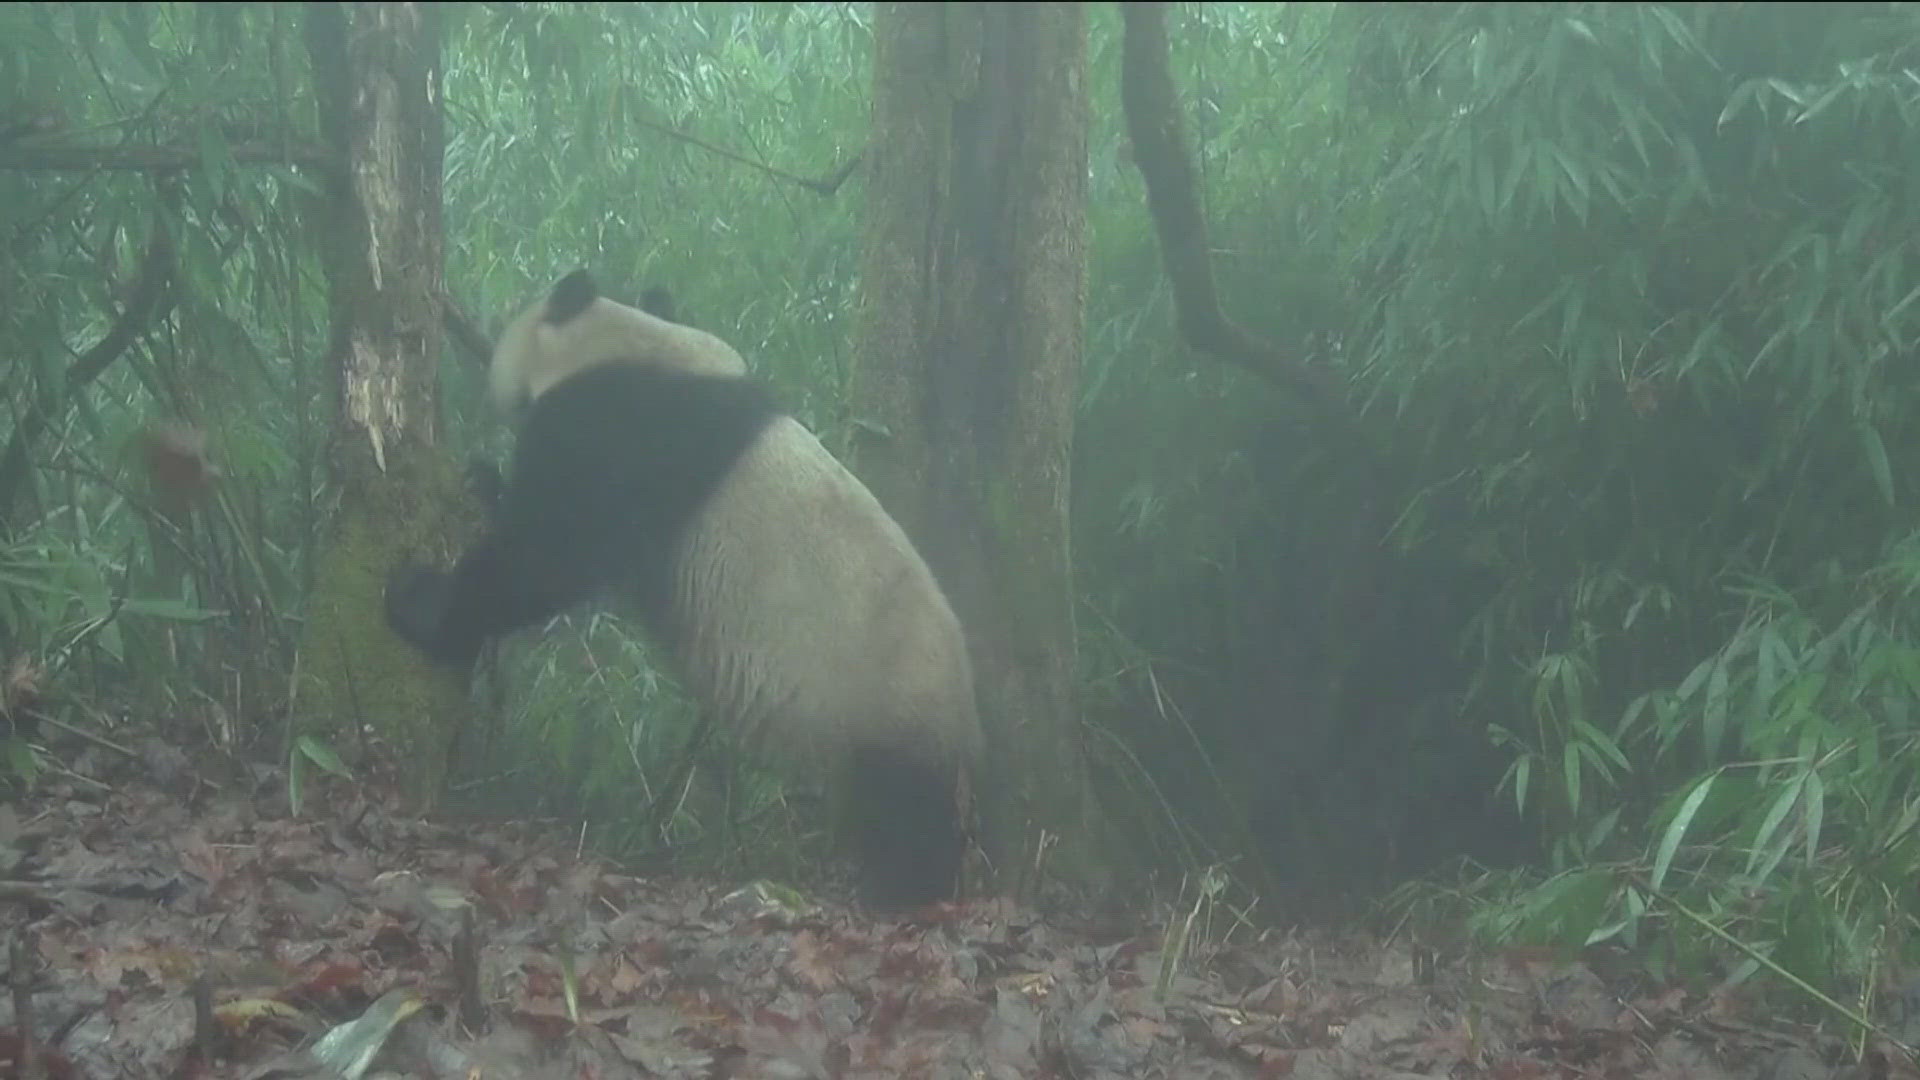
826 185
1152 109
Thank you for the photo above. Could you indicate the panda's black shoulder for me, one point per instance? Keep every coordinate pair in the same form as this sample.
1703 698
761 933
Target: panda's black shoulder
625 395
621 458
613 419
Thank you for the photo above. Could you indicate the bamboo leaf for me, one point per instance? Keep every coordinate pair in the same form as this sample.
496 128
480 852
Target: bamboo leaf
1677 828
1715 714
1821 103
1877 462
1602 744
1776 813
322 755
1738 100
1816 809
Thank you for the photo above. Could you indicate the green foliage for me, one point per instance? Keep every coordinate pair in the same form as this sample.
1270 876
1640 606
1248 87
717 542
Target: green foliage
1643 317
1627 295
1810 705
67 607
69 602
230 352
612 113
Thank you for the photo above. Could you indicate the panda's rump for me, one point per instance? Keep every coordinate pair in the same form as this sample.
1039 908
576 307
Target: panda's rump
802 606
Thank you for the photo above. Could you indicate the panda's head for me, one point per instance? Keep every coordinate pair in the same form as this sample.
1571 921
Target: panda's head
574 328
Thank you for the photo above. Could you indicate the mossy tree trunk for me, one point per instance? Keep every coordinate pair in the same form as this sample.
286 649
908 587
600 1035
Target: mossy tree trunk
967 365
376 69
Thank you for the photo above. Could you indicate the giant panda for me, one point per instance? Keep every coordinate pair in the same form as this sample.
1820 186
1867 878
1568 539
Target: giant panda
651 467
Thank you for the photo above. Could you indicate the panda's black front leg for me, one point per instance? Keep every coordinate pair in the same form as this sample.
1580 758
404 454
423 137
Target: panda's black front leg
419 598
450 615
416 602
569 521
497 587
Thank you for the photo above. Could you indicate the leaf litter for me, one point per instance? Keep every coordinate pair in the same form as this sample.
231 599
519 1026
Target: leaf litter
183 931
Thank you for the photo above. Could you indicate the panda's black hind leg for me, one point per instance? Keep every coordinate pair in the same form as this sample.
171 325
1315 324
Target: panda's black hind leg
904 828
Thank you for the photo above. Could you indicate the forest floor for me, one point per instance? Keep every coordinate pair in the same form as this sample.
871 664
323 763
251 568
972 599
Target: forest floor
182 923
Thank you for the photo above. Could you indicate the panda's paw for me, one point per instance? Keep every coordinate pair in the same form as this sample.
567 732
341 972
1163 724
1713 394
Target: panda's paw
416 601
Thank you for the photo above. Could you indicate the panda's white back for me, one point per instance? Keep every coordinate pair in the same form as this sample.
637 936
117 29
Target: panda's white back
745 588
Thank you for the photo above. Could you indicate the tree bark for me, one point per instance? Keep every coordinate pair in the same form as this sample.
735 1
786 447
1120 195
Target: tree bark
967 366
376 69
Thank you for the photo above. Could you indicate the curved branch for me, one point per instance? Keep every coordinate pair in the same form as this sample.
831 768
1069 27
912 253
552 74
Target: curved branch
1152 108
826 185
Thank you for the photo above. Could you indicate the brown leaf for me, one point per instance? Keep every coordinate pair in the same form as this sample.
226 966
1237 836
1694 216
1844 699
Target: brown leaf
177 464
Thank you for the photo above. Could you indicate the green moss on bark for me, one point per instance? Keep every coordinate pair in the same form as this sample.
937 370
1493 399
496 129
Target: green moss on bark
354 670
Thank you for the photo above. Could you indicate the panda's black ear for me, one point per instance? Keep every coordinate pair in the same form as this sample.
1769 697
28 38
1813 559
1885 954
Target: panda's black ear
570 297
658 303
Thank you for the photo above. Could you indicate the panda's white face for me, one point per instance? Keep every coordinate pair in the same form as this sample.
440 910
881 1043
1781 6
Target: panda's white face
535 353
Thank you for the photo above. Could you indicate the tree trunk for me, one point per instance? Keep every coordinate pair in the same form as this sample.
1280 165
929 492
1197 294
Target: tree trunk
376 69
973 289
